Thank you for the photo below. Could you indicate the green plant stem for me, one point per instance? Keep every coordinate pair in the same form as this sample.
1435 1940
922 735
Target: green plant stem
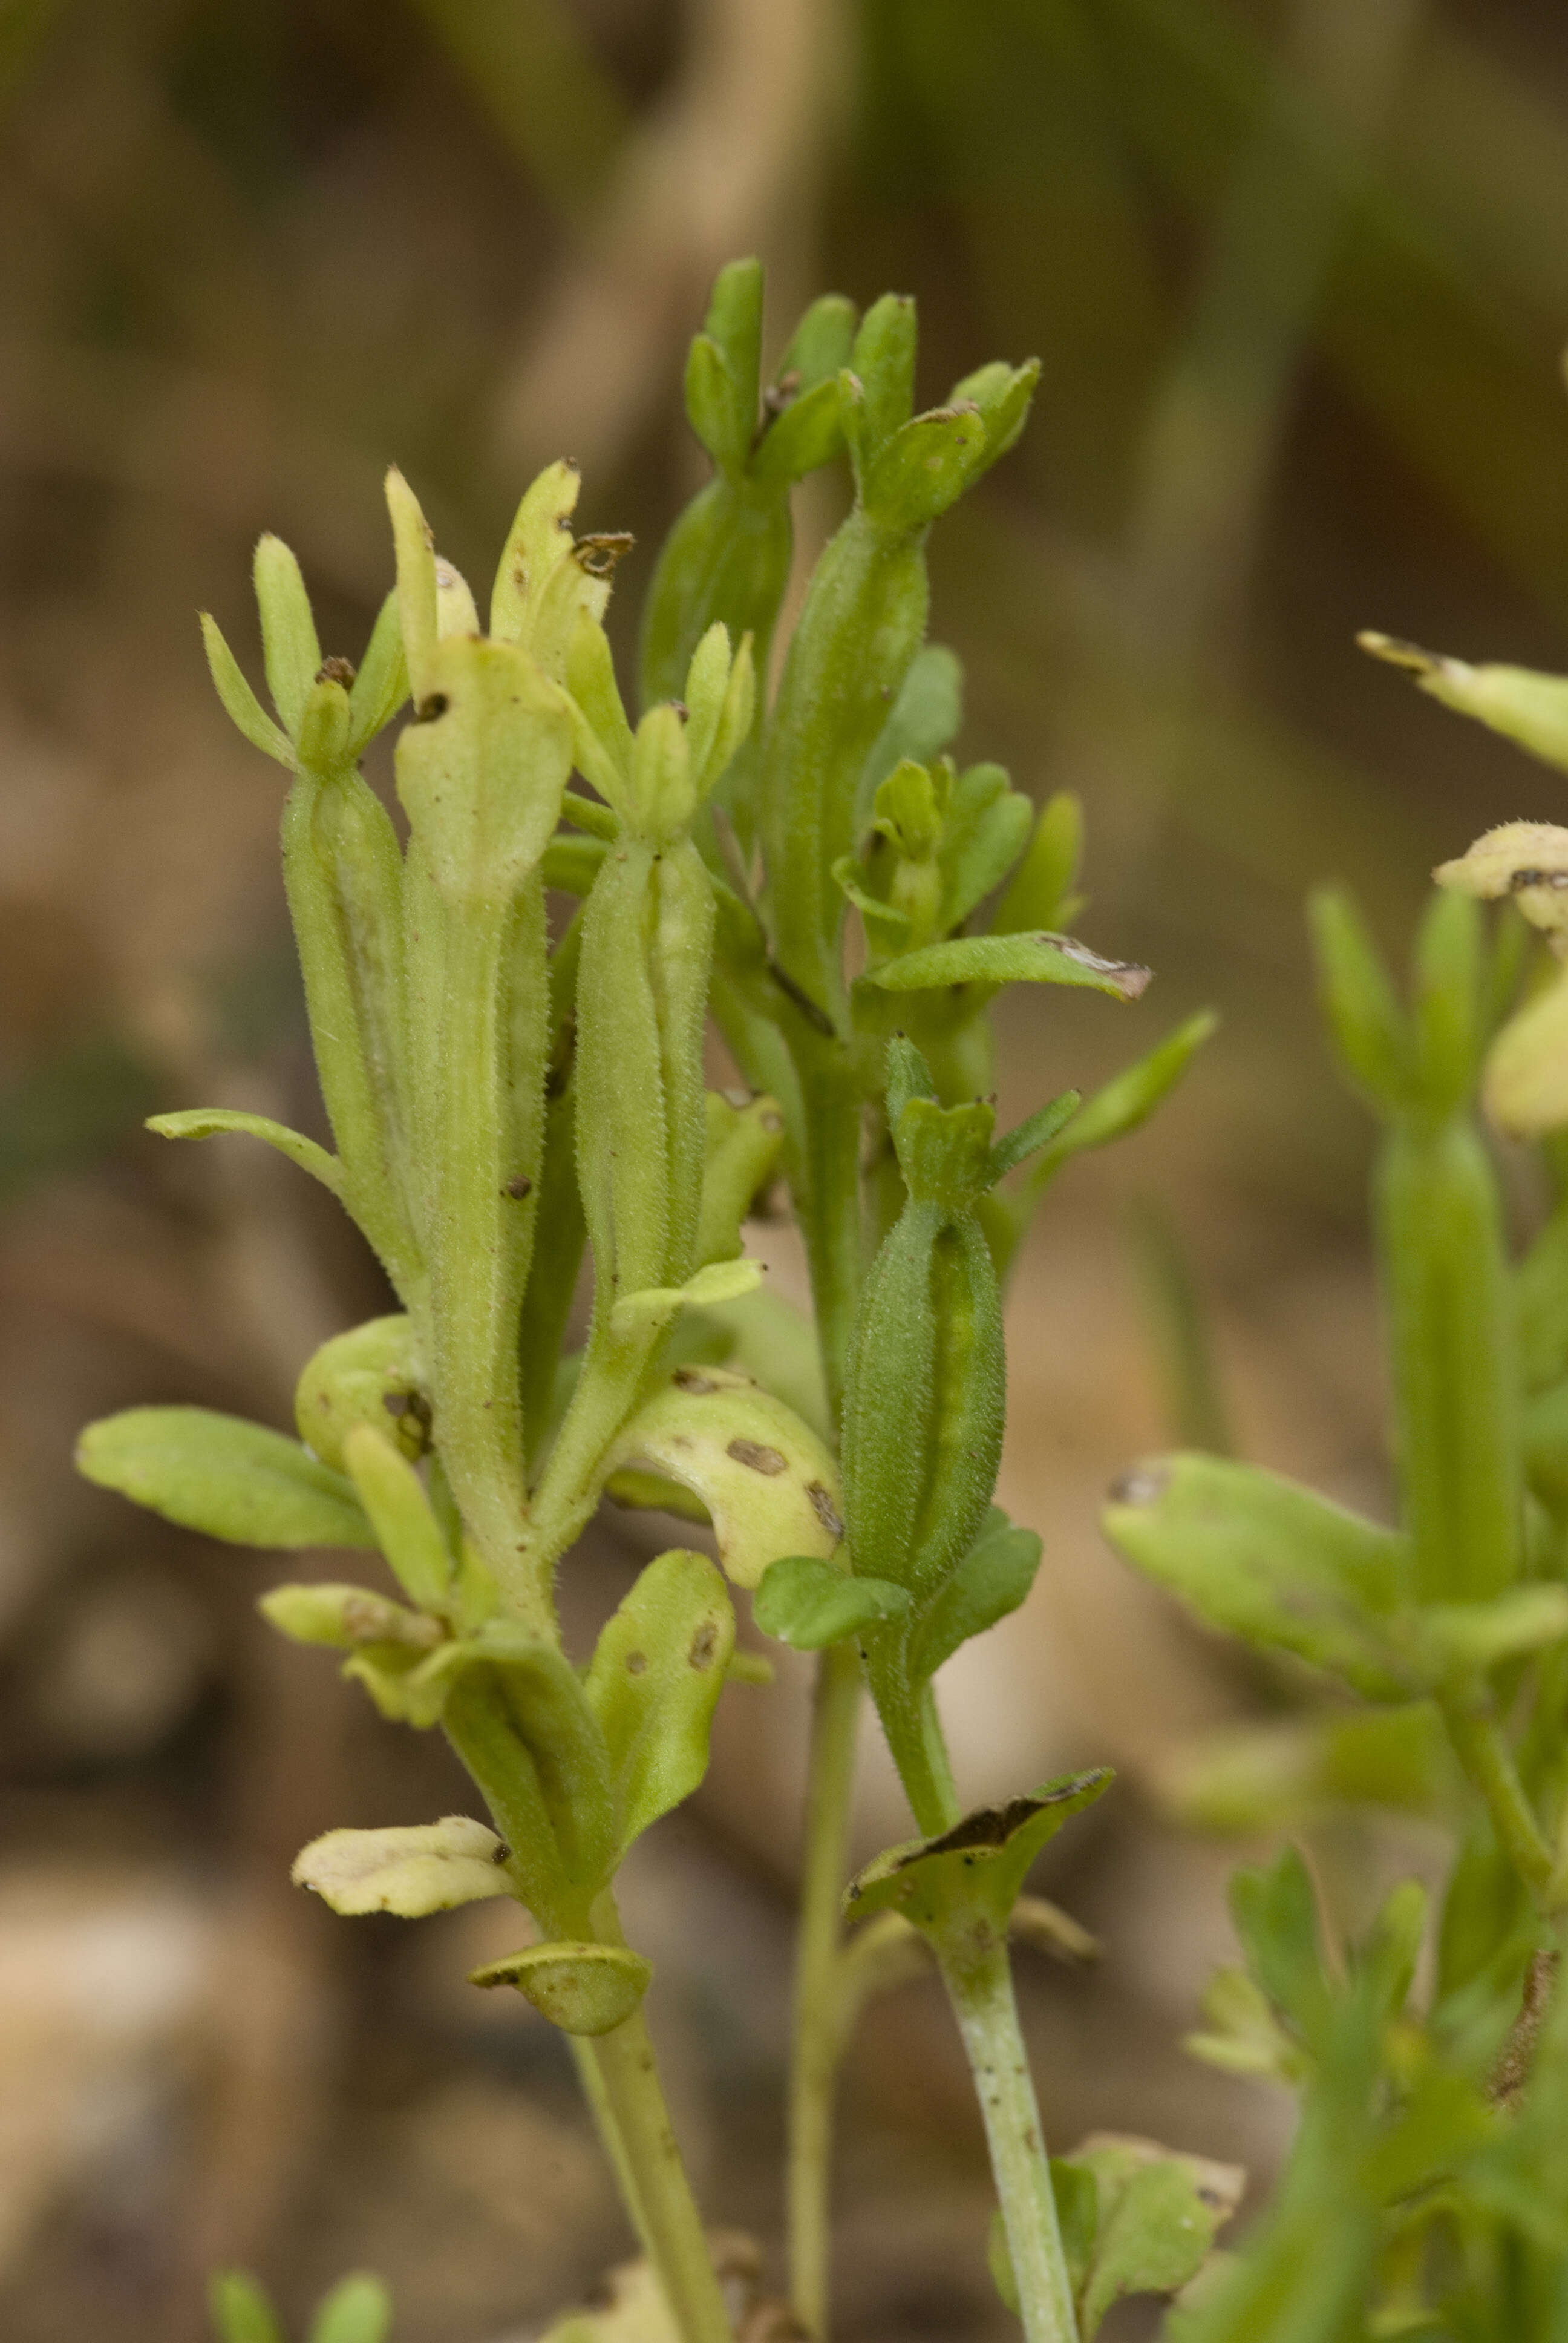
979 1980
658 2192
831 1225
615 1371
819 2029
1488 1762
608 2129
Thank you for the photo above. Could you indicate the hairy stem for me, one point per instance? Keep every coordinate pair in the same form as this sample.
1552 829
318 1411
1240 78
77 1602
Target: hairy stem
817 2030
980 1985
658 2192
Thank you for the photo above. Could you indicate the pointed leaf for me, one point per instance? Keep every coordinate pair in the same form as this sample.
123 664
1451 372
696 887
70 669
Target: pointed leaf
215 1122
245 710
413 1869
1010 959
1044 883
1130 1097
227 1478
656 1673
990 1581
805 435
288 637
1034 1133
1527 708
381 685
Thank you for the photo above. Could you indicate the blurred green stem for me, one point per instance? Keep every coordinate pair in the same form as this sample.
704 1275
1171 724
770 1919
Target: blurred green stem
831 1225
1488 1762
818 2032
658 2193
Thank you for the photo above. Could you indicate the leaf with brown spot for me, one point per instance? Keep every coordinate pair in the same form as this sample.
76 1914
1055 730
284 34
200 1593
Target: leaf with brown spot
657 1674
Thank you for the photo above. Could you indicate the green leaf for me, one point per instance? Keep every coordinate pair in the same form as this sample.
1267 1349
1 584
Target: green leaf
412 1870
1263 1558
381 685
925 467
241 2312
990 1581
977 1868
1009 960
585 1989
358 2310
1039 897
713 404
883 362
1129 1099
217 1122
1156 2215
985 830
1448 1000
820 346
807 1603
406 1530
925 717
1275 1914
293 653
1455 1640
1370 1028
1290 1772
227 1478
804 435
656 1673
1035 1132
245 710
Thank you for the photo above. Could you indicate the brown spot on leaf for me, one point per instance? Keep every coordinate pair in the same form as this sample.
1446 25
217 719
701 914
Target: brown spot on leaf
518 1187
822 1506
751 1453
688 1379
702 1645
637 1663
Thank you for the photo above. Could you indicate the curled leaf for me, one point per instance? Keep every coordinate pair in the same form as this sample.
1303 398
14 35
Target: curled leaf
582 1988
768 1484
411 1870
215 1122
976 1869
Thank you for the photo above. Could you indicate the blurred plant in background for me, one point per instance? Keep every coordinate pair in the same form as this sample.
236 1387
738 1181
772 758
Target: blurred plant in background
1300 276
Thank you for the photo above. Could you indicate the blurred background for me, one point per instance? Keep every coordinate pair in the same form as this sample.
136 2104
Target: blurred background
1298 272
